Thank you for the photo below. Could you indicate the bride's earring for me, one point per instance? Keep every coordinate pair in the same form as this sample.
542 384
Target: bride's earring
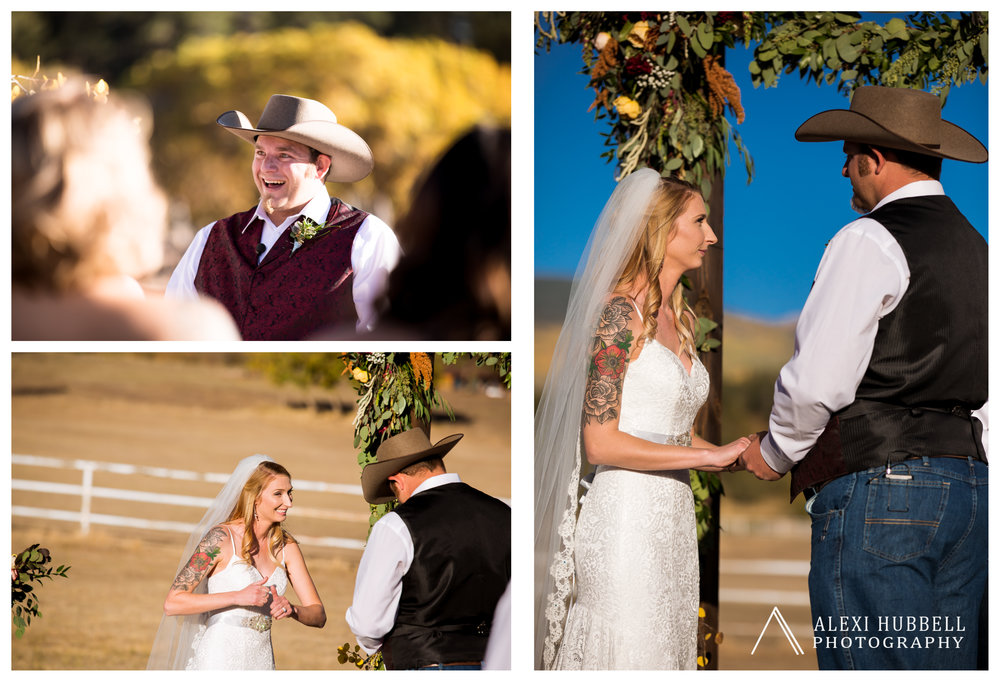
255 513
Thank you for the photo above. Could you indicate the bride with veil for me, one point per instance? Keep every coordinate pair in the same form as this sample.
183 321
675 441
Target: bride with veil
617 581
230 583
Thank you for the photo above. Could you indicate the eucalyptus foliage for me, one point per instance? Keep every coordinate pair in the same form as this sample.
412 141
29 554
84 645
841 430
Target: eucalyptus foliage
927 51
658 77
25 568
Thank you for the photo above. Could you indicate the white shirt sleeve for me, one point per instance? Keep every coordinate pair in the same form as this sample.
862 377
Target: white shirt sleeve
181 284
983 415
860 279
386 560
374 254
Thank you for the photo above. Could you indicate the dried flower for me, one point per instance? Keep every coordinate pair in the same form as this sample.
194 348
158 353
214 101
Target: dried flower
722 89
422 368
637 37
627 107
601 39
637 65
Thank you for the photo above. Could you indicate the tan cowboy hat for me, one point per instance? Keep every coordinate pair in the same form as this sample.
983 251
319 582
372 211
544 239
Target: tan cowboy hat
898 118
312 124
397 453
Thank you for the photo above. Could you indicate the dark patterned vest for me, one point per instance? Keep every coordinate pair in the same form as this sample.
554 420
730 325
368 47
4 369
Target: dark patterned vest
928 368
287 296
460 569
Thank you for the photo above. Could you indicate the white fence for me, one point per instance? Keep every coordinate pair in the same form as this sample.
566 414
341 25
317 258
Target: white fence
87 491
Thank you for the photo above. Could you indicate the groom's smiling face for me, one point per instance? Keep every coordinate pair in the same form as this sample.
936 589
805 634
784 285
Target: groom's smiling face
285 175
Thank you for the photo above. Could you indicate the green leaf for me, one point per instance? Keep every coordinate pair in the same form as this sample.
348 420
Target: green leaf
706 37
847 51
683 23
753 68
698 49
673 164
697 145
897 28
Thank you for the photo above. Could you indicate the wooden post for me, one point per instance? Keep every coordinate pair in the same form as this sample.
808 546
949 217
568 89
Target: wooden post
707 302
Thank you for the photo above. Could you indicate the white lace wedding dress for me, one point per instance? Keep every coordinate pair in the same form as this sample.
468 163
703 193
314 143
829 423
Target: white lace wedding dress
237 638
636 602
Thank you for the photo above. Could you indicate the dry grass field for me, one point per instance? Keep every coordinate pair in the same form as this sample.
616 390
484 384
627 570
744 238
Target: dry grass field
199 413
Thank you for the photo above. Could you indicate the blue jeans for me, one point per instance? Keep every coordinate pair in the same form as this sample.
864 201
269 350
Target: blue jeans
899 566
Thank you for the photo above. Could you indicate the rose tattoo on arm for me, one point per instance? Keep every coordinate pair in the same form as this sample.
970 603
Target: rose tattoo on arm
609 356
201 560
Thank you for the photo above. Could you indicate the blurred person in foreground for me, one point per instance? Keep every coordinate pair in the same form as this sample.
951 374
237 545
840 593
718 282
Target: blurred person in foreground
434 568
87 219
879 414
230 585
299 260
453 281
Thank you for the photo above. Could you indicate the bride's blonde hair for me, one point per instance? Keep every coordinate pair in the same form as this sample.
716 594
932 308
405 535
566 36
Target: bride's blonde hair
245 509
643 266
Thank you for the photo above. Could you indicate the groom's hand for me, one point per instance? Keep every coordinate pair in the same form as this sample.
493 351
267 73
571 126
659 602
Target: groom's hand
754 462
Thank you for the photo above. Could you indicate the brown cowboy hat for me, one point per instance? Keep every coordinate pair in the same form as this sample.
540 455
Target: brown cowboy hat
310 123
898 118
397 453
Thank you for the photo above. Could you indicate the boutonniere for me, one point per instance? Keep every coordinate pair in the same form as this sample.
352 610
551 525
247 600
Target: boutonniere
303 230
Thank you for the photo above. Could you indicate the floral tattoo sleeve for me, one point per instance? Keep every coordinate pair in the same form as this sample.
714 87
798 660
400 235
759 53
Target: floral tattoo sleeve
602 399
201 560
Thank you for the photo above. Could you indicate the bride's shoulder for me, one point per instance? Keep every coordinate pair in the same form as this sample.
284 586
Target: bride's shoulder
619 321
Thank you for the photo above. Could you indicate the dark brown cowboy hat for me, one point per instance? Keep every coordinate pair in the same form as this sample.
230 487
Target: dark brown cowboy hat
397 453
898 118
312 124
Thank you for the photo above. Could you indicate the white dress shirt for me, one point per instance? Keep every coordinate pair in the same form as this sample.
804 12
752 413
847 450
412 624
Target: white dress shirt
374 253
861 278
379 584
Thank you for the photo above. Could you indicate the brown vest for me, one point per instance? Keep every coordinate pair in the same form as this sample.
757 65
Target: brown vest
288 295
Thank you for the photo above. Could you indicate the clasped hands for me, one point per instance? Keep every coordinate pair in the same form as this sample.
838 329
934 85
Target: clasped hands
751 460
260 594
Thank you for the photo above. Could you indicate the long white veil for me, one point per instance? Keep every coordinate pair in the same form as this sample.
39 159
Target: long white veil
172 646
558 457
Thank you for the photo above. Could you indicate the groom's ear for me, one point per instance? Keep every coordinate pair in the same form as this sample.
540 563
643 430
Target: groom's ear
323 163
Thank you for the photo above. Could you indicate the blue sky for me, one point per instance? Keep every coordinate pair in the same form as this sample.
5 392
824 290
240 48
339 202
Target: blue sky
775 228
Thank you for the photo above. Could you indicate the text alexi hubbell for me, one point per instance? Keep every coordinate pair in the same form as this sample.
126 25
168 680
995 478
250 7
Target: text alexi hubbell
888 632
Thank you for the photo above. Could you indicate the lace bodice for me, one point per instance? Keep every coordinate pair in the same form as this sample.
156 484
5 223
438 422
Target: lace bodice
659 396
237 637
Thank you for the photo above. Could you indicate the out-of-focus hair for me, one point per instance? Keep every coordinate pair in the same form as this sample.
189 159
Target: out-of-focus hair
84 203
453 281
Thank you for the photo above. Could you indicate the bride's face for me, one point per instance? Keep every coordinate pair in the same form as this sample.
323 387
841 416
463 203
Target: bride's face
692 237
275 500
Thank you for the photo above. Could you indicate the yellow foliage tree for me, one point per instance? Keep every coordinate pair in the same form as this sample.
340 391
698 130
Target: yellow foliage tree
409 98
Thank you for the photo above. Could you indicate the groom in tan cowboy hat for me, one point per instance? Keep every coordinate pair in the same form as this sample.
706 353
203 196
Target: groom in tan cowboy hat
434 568
879 414
299 261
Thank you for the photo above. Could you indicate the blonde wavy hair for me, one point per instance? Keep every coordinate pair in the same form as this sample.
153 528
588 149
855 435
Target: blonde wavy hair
84 204
643 266
245 508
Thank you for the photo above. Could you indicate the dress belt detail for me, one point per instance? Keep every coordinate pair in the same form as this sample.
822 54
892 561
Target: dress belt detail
258 622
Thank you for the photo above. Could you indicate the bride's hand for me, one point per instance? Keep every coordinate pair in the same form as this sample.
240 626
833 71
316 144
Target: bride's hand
280 607
254 594
726 457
